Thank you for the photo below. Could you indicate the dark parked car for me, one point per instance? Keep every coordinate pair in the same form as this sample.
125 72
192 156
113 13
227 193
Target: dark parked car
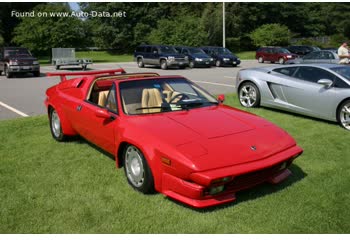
18 60
302 49
159 55
274 54
196 56
324 56
222 56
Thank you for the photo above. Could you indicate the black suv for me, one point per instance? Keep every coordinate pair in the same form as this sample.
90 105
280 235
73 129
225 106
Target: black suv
18 60
196 56
159 55
222 56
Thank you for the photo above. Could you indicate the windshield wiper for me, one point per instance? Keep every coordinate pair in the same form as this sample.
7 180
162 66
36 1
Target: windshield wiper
186 104
155 107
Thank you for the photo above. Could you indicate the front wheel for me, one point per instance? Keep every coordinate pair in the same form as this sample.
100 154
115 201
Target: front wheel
249 95
140 63
281 61
343 115
163 65
191 65
260 60
56 127
137 171
218 63
7 73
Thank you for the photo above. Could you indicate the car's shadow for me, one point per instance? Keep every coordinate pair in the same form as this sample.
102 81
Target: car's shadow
253 193
73 69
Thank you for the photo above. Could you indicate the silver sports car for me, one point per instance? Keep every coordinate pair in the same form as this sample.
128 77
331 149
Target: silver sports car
317 90
323 56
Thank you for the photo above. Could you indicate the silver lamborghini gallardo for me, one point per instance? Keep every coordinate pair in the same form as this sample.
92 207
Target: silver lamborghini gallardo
317 90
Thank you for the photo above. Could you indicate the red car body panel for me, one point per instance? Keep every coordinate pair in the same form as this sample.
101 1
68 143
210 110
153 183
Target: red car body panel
200 145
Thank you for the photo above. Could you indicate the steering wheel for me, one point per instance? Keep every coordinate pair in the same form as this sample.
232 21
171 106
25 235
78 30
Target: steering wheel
182 96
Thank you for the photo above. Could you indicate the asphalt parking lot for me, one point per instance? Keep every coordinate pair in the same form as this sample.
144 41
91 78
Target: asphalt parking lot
24 95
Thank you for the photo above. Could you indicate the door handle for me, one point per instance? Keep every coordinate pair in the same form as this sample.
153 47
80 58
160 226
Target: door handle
79 108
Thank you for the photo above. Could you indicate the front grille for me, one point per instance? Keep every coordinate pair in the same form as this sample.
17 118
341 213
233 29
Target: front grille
25 63
253 178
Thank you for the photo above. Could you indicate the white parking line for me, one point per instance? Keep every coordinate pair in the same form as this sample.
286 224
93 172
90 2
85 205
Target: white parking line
219 84
13 109
230 77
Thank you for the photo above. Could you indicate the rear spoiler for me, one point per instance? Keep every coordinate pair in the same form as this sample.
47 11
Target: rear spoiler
64 75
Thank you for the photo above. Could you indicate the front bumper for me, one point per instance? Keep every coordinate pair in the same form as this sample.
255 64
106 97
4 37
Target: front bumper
203 63
20 68
230 62
194 192
178 63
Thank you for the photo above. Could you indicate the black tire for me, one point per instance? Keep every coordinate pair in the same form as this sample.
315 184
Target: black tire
281 61
0 73
163 64
137 171
218 63
260 60
36 74
56 127
84 67
7 73
57 67
140 63
191 64
247 92
235 65
343 116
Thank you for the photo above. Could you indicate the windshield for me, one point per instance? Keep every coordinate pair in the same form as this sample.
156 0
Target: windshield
162 95
196 51
167 49
17 52
223 51
283 50
343 71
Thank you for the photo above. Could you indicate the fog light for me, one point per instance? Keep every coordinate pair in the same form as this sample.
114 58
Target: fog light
216 190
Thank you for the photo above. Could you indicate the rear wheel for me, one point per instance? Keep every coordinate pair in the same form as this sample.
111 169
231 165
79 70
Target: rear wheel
249 95
137 171
343 115
55 126
260 60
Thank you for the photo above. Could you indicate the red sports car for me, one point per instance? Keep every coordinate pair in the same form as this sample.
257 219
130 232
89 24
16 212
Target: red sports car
170 135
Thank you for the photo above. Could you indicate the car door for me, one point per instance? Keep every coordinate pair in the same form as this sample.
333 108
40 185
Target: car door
98 130
305 95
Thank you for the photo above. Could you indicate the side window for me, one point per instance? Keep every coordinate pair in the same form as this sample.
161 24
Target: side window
111 103
185 51
312 56
289 71
140 49
340 83
312 74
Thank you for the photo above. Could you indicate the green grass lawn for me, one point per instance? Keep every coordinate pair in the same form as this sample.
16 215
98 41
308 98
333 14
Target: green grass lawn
249 55
72 187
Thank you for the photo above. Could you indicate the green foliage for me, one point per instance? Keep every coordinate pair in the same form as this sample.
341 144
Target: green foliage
271 35
180 31
1 41
40 34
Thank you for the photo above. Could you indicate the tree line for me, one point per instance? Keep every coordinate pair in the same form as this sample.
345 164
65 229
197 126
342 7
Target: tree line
248 24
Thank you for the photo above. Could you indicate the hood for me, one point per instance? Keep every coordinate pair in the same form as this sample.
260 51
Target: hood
200 55
176 55
22 58
227 56
214 137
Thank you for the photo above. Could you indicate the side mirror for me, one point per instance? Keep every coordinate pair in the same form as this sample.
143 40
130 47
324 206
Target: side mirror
102 113
325 82
221 98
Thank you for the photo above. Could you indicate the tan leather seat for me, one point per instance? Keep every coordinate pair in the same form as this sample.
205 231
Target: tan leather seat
151 97
102 98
